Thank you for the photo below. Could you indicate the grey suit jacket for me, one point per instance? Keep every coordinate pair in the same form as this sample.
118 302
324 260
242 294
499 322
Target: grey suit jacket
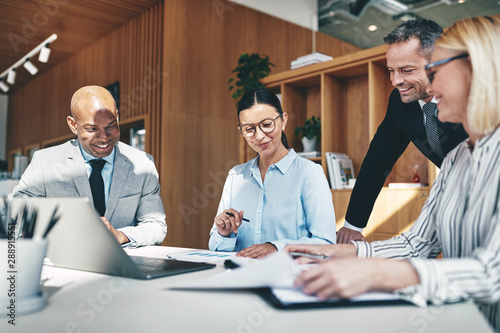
134 204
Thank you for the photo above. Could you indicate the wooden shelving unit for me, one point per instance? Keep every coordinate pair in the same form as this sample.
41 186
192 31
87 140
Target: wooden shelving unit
350 95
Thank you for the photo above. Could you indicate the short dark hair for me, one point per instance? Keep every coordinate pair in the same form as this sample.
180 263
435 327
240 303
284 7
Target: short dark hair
426 31
262 96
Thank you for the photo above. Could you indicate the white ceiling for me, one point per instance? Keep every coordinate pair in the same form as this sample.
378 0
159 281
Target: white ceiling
349 20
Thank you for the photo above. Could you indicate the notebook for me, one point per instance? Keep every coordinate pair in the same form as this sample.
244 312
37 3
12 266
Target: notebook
81 241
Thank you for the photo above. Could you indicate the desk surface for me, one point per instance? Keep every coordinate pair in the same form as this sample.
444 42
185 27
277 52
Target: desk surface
88 302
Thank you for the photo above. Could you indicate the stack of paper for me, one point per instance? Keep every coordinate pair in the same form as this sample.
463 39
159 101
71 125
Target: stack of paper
309 154
278 273
310 59
340 170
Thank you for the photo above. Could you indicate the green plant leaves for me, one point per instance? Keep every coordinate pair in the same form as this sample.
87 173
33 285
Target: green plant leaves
311 128
251 68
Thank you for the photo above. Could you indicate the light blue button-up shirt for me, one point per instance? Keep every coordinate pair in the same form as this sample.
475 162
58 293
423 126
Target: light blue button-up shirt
107 170
293 205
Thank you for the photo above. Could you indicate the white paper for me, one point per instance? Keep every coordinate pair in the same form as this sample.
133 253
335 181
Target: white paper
203 256
277 270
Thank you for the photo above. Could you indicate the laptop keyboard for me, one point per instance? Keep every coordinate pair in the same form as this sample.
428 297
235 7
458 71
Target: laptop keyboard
152 267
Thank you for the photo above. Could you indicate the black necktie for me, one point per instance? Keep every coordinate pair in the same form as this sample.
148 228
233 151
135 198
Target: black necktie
432 129
97 185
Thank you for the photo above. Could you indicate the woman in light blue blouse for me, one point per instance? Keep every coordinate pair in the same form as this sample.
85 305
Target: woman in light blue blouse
275 199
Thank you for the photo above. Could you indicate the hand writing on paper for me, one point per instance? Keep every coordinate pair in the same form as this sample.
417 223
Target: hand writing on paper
331 250
346 278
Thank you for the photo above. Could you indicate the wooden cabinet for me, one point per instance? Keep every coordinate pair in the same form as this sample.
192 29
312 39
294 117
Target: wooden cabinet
350 95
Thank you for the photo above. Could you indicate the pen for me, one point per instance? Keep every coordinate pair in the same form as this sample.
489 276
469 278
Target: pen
232 215
309 255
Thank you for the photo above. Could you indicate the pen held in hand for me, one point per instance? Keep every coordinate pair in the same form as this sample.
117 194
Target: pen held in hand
308 255
232 215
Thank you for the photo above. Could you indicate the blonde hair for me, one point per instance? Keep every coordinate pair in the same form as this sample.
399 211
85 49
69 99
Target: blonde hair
480 38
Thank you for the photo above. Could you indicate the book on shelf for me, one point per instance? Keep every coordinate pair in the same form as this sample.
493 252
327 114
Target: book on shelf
309 154
309 59
340 170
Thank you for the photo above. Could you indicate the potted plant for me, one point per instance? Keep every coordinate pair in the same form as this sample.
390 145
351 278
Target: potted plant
309 133
251 68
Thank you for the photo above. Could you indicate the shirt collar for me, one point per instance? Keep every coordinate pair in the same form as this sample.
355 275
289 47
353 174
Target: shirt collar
283 165
87 157
492 137
422 103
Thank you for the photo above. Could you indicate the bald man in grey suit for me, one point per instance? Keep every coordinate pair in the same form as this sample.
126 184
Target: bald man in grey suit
133 210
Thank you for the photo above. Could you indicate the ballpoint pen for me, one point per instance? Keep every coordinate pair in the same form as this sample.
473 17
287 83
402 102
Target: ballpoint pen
308 255
232 215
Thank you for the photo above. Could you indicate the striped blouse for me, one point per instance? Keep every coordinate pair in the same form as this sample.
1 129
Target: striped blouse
461 219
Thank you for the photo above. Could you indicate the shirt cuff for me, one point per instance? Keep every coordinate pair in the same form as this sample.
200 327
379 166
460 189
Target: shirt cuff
225 243
131 243
350 226
280 245
363 249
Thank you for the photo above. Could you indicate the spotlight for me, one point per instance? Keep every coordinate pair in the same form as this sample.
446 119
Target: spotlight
11 78
30 67
44 53
3 86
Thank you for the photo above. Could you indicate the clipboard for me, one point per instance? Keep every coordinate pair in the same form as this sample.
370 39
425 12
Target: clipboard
282 301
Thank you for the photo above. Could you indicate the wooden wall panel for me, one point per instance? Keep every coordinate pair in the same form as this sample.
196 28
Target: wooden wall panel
200 142
38 110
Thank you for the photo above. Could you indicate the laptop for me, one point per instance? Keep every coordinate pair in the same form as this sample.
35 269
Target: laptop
80 240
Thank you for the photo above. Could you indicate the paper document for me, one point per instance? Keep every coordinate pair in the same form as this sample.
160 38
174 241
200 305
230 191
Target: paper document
277 270
203 256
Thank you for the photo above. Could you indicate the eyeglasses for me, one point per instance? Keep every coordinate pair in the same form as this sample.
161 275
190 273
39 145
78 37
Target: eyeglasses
266 126
428 68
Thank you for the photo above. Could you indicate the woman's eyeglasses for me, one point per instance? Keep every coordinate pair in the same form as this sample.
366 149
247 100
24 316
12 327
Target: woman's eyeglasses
428 68
266 126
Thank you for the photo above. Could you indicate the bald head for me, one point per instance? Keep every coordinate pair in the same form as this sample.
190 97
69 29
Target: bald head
92 99
94 119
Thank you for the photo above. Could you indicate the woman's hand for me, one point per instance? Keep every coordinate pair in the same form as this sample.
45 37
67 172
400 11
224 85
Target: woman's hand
330 250
257 251
228 222
346 278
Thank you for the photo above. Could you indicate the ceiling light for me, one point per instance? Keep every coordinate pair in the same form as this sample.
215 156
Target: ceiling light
30 67
44 53
406 17
4 86
11 77
9 74
372 27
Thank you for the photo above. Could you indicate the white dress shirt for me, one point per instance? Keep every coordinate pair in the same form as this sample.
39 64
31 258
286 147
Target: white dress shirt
461 220
292 205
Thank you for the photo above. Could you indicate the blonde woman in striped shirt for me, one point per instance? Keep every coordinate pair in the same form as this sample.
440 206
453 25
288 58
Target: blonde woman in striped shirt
461 218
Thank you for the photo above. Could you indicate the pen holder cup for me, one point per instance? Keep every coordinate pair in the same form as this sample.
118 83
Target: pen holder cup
21 268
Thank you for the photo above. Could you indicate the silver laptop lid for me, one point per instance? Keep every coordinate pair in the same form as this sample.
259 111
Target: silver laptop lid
79 240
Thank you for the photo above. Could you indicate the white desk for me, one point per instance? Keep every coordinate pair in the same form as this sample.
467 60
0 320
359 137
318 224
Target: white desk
6 186
88 302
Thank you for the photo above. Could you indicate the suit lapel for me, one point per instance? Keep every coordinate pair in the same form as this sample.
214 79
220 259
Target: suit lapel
76 165
120 174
